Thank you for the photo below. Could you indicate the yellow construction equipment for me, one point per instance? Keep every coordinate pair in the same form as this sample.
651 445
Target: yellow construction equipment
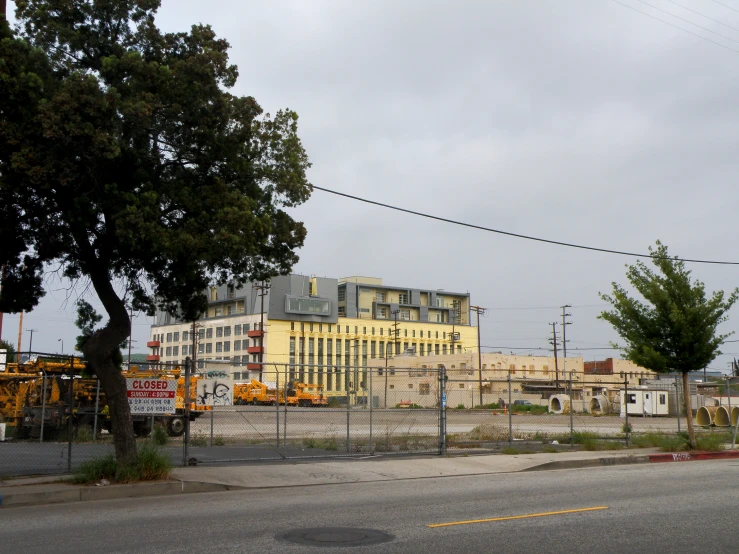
307 395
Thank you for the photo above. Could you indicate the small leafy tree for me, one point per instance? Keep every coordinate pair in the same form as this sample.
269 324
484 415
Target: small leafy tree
5 345
126 162
675 329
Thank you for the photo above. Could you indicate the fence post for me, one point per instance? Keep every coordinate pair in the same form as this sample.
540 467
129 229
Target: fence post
677 402
346 386
442 413
43 403
186 410
277 403
284 419
626 407
371 450
70 419
212 413
510 413
572 412
97 407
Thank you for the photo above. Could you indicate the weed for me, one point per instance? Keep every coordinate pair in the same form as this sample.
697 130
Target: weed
626 428
198 439
83 434
550 449
150 464
218 440
460 407
583 437
159 436
711 442
511 451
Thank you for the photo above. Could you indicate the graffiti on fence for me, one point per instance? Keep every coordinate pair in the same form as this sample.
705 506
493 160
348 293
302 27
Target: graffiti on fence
215 392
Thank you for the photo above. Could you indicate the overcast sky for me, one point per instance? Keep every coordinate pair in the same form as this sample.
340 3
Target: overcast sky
580 121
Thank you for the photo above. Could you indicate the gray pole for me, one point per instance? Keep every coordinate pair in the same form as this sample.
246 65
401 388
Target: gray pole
186 400
442 414
212 411
277 403
97 405
346 386
284 419
510 412
71 415
626 407
572 411
43 405
677 402
370 409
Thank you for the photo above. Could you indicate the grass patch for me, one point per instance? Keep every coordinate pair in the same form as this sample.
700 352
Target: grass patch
529 409
198 439
159 435
83 434
712 442
151 464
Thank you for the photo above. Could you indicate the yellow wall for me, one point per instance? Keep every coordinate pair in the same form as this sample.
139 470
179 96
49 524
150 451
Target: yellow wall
278 333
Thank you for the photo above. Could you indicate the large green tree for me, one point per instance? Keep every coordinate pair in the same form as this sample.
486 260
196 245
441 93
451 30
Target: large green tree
126 163
675 328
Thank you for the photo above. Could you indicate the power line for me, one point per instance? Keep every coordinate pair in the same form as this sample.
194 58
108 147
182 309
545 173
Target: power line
726 6
687 21
703 15
516 235
676 26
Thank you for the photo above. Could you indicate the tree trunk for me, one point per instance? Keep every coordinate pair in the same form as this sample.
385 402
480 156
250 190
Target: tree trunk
688 409
98 351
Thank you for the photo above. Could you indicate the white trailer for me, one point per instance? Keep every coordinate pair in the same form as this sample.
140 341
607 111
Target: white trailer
645 402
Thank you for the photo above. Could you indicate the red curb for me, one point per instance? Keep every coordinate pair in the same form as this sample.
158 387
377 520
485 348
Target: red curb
692 456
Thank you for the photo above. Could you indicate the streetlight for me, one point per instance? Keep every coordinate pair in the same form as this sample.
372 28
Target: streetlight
30 342
62 341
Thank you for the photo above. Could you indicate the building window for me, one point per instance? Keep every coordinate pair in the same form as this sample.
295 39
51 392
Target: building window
436 349
209 348
382 349
356 330
209 333
185 349
201 334
227 331
201 348
219 311
219 332
421 352
424 388
410 385
175 351
382 312
373 349
341 297
219 347
185 336
227 346
237 330
176 336
443 349
403 298
237 345
414 333
342 311
169 337
245 328
168 351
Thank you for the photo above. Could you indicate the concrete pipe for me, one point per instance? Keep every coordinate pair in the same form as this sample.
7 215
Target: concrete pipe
722 417
734 415
705 416
600 405
559 404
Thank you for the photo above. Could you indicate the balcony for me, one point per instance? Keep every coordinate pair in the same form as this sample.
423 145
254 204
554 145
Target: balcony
253 367
152 358
153 344
255 333
255 349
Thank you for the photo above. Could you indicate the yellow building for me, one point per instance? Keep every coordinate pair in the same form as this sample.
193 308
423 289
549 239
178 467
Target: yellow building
318 330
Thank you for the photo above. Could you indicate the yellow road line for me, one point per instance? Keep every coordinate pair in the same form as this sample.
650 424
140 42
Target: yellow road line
525 516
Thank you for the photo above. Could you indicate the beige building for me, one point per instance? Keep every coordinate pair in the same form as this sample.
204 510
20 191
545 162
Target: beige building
414 379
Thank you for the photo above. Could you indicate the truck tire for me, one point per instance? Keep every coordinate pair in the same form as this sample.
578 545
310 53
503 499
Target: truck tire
176 426
141 428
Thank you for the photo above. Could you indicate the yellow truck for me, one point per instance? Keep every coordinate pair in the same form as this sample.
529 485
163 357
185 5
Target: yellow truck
306 395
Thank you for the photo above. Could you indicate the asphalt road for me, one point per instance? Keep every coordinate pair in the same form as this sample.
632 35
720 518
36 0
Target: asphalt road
674 507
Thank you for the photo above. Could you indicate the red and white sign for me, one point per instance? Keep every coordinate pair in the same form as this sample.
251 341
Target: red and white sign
152 396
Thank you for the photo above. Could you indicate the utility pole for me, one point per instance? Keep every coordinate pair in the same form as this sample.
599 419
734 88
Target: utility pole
130 336
20 335
479 311
553 342
2 280
195 337
30 343
565 323
262 287
396 331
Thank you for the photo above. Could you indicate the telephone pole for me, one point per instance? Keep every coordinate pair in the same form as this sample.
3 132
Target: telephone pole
2 279
554 343
565 323
479 311
262 288
396 332
130 336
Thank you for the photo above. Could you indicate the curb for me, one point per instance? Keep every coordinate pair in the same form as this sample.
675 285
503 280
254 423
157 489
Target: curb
82 494
595 462
692 456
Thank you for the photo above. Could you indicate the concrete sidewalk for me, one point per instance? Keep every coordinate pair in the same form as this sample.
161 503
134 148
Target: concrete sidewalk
299 473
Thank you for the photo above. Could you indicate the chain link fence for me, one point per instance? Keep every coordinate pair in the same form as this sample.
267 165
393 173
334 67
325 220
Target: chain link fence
54 414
